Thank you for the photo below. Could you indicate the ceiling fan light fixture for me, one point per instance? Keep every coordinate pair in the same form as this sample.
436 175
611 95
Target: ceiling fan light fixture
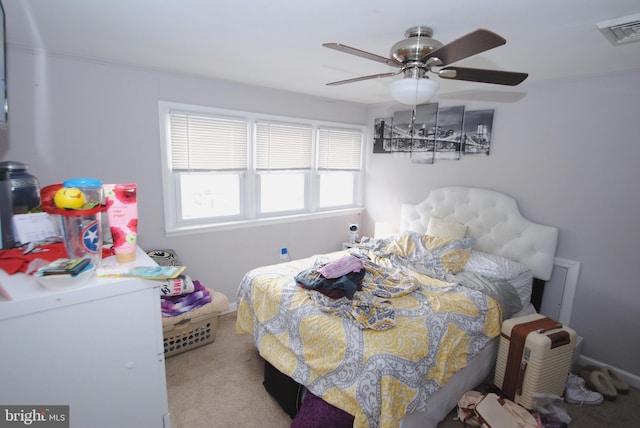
414 91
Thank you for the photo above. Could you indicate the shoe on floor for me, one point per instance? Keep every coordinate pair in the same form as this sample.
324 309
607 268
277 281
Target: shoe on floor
577 393
598 381
621 385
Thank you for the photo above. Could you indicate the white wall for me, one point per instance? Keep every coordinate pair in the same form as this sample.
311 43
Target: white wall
568 152
75 118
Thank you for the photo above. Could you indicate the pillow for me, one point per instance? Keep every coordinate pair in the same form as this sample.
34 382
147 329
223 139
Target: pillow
445 229
494 266
442 254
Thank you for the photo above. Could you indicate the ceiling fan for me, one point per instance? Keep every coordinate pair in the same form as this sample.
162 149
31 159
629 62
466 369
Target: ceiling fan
418 54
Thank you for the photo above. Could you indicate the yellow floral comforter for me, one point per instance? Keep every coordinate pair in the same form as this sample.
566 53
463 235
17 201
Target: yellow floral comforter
378 356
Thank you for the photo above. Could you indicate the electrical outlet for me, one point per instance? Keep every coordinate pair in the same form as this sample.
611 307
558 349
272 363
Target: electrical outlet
284 253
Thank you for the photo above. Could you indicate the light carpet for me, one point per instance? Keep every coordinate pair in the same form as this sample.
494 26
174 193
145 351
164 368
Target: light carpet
220 385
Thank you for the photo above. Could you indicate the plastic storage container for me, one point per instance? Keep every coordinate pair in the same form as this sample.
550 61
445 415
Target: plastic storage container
24 187
91 188
6 212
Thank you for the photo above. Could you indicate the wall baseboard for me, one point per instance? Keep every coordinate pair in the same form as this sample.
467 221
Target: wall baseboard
233 307
632 379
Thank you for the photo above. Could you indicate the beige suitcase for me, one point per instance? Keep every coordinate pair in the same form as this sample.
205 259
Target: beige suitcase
534 357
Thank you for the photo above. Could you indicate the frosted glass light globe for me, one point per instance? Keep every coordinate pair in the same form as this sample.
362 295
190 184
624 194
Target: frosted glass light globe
414 91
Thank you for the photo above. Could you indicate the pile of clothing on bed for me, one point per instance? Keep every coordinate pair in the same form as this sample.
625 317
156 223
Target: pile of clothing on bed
336 279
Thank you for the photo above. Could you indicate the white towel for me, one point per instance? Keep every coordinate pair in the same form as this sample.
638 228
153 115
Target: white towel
177 286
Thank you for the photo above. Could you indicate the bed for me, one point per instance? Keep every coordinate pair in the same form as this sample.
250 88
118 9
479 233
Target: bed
422 327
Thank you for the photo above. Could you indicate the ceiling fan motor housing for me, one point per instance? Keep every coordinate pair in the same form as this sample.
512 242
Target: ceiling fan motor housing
416 46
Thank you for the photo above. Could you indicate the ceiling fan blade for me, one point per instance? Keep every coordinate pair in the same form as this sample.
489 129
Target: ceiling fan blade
473 43
362 54
497 77
358 79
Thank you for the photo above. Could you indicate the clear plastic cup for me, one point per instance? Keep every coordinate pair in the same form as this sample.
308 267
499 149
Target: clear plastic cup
82 233
80 229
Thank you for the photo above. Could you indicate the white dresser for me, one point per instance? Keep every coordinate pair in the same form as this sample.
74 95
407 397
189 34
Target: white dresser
97 348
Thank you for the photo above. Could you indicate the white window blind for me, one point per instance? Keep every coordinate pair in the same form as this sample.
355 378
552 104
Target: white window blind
283 146
225 168
339 150
207 143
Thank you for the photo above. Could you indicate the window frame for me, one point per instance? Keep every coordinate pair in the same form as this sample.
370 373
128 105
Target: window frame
250 191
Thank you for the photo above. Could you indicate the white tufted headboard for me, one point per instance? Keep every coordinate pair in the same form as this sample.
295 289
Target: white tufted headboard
493 220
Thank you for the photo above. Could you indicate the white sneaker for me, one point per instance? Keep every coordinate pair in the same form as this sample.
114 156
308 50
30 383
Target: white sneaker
578 394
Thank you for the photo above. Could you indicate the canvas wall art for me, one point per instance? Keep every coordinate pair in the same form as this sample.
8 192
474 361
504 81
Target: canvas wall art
429 132
478 125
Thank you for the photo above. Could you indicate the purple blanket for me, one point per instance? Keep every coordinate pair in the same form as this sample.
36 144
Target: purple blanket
177 305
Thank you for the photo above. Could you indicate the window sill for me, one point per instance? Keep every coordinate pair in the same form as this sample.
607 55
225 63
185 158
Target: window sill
190 230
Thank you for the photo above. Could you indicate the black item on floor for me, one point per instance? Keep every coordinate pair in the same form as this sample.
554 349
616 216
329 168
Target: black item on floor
287 392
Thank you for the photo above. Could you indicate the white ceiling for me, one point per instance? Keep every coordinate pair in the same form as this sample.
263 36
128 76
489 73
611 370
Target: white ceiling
278 43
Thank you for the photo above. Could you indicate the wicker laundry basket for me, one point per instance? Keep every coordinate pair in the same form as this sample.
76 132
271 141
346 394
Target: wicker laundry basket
189 330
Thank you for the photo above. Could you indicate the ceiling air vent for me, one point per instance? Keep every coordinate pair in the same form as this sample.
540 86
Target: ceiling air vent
621 30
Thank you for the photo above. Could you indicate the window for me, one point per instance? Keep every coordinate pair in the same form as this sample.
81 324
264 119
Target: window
209 163
224 167
339 162
283 164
